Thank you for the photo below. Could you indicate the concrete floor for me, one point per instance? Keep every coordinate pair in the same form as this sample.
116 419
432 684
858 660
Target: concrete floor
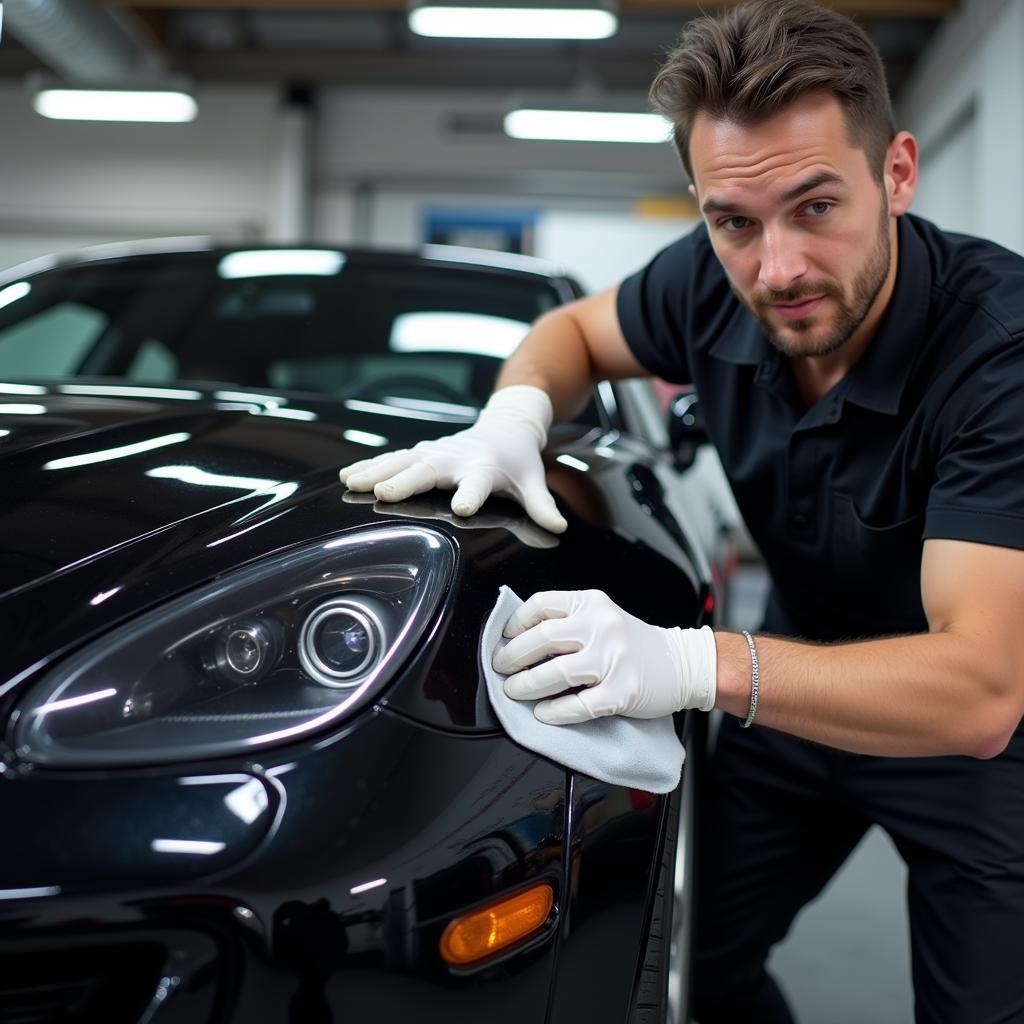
847 957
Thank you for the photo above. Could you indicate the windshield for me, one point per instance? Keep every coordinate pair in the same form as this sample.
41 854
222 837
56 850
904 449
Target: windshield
367 327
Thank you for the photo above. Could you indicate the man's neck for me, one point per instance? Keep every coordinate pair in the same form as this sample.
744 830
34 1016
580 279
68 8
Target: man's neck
816 375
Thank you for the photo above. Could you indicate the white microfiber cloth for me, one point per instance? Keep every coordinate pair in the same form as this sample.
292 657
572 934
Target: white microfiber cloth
635 752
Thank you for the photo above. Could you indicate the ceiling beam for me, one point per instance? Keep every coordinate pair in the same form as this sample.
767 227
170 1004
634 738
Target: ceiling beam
552 72
402 70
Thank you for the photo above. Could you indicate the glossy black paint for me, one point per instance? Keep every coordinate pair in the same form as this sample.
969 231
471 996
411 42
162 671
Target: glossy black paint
442 822
613 852
422 790
79 832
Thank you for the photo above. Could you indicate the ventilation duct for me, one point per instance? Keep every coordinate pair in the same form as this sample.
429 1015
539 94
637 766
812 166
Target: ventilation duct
79 41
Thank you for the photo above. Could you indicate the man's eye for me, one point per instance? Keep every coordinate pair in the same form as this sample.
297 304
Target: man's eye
819 207
733 223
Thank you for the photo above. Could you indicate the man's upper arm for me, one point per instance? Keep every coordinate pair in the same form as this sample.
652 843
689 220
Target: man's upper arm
597 318
976 591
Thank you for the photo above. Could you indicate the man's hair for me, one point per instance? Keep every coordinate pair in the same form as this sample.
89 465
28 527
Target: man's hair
753 60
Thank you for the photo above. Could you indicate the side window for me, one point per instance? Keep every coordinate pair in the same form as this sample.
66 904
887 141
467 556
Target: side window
52 343
153 361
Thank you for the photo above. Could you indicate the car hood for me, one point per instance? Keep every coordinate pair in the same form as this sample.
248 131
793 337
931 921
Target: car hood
89 471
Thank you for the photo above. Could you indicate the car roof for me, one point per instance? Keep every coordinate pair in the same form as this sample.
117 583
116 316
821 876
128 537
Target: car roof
199 244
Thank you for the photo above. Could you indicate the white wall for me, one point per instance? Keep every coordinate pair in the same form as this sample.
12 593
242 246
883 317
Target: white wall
965 104
397 137
377 159
601 247
68 183
384 157
946 193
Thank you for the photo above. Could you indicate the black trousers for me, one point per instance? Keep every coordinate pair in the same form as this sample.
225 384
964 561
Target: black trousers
778 818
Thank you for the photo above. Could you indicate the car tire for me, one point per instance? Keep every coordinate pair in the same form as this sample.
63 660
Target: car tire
664 985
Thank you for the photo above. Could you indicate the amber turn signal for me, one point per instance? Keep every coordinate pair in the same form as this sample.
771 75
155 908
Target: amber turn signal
475 936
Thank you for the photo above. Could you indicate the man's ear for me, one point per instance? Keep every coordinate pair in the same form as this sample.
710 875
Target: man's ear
901 173
692 189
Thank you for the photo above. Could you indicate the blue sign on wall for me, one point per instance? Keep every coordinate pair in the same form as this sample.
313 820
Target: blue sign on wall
507 230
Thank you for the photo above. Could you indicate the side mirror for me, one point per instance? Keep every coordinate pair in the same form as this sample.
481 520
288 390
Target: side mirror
686 429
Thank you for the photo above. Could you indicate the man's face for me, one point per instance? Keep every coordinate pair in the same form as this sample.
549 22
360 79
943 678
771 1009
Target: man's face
799 223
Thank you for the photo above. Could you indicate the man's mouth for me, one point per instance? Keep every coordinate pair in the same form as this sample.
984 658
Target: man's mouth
797 310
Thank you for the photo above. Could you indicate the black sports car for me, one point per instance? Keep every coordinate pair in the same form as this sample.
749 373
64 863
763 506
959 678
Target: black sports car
249 771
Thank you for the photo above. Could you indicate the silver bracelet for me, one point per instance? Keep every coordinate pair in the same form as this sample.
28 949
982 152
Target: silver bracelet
755 679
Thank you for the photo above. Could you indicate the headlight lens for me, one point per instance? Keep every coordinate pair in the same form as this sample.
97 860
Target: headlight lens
263 655
338 641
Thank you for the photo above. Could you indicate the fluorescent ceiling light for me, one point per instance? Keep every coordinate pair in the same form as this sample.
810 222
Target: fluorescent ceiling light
281 262
512 23
155 105
586 126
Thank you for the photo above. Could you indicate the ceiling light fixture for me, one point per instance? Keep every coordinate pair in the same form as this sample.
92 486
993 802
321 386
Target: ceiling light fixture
513 19
586 126
116 105
160 100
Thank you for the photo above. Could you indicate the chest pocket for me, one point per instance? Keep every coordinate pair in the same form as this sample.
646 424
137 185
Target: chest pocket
880 565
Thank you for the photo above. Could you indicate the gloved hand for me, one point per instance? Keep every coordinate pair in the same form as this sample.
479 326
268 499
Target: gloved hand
626 666
500 453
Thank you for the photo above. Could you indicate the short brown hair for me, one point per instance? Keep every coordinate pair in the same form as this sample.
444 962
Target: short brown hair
751 61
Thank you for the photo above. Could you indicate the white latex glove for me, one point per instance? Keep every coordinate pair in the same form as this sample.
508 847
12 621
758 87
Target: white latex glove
626 666
499 454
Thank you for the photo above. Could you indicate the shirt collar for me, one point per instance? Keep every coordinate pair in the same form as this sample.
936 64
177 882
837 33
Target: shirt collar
876 381
743 341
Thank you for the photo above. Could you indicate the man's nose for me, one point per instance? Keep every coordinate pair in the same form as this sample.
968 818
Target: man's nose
782 261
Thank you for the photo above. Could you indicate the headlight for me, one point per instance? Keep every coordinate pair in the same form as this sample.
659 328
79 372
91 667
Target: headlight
263 655
338 641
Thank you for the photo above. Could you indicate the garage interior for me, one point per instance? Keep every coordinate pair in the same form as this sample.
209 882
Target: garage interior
330 121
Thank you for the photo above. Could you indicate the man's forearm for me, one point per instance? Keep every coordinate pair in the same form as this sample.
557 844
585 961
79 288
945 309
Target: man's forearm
553 357
928 694
570 349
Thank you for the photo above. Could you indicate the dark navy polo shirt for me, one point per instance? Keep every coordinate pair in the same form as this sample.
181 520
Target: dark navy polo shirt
923 437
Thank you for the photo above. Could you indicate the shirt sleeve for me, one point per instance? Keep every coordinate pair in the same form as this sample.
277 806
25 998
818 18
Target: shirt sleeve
978 494
651 306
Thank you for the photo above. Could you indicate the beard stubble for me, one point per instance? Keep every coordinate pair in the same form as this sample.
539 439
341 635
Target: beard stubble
866 286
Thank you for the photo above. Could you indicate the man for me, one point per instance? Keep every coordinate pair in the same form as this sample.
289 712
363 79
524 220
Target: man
862 376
